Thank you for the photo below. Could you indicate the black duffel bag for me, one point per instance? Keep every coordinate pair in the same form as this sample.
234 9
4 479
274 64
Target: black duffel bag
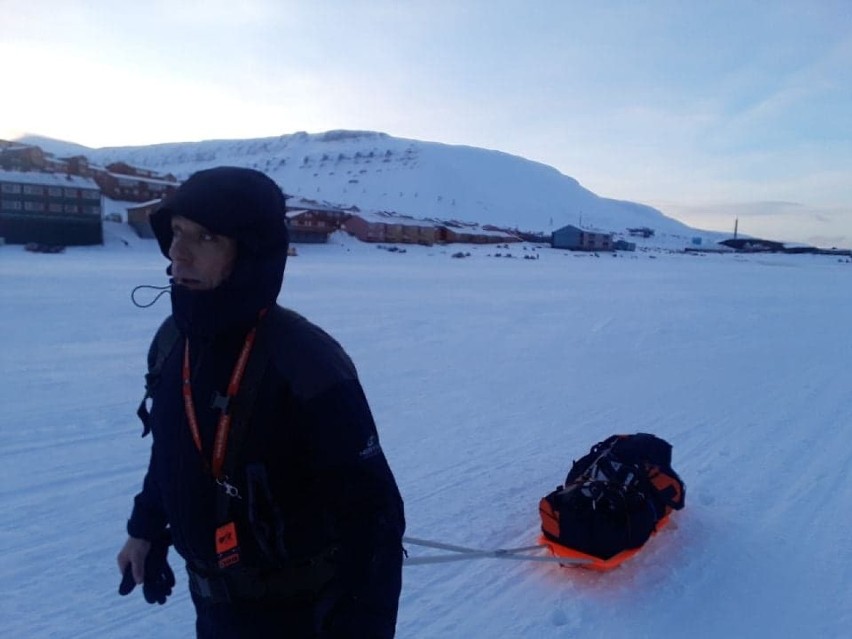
613 497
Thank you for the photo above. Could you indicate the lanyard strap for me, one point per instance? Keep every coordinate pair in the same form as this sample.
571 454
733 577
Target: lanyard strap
220 443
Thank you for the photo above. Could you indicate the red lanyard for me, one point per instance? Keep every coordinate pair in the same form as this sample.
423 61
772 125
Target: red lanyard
220 443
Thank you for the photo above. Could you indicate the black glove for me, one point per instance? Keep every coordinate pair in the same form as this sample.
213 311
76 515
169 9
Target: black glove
159 578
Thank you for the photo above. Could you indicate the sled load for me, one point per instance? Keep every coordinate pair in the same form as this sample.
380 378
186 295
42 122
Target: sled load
613 500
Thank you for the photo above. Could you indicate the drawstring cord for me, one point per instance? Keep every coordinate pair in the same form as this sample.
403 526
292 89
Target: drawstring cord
162 291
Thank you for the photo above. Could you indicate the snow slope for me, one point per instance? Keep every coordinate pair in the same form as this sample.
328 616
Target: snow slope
487 376
375 171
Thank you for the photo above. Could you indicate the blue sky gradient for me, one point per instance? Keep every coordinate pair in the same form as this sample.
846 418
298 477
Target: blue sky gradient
707 111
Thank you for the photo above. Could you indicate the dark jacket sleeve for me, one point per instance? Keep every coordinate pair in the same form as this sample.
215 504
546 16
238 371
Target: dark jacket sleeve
367 508
148 519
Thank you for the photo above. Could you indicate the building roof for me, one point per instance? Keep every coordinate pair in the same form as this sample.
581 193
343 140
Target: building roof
142 205
377 217
137 178
48 179
381 217
486 232
311 205
578 229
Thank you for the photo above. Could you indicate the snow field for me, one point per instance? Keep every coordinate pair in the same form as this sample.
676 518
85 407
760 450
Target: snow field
487 376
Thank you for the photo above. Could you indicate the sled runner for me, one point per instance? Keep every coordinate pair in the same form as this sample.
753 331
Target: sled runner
577 558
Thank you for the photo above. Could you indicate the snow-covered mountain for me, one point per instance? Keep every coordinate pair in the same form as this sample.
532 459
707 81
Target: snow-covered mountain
59 148
375 171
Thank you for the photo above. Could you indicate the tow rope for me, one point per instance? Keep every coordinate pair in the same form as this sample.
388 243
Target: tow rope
462 553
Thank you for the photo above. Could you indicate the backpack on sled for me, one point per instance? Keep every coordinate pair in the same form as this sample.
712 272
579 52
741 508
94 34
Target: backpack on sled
613 499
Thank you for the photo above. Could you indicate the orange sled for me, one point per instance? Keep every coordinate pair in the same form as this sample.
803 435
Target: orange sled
596 563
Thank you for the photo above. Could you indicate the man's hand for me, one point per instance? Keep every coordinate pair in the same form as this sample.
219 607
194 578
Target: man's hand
143 562
132 557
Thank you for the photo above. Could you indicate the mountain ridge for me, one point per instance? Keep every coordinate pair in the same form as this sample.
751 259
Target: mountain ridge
376 171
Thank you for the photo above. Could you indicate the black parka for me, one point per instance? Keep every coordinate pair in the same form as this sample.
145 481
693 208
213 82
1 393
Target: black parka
310 430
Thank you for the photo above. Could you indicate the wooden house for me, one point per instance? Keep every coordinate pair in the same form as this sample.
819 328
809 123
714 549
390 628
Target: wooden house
387 227
133 188
21 157
466 233
122 168
314 225
366 228
576 239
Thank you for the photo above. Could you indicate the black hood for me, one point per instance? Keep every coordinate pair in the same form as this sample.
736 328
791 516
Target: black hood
249 207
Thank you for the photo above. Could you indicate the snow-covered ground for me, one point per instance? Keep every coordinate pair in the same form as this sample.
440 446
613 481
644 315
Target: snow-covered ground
487 376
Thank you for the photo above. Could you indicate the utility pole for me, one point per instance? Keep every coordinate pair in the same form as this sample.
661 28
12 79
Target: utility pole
736 224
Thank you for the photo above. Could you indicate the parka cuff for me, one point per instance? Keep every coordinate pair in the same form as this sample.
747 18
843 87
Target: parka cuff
145 525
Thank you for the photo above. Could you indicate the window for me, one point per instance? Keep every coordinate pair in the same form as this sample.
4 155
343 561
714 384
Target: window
11 205
71 208
69 192
54 208
30 189
33 206
91 195
10 188
54 191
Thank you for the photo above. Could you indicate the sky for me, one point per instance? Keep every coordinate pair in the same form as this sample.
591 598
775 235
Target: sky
710 112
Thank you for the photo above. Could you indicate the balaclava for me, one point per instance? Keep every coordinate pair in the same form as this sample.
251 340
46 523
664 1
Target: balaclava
249 207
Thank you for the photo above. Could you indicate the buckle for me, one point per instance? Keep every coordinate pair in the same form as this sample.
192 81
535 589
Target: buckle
212 588
222 403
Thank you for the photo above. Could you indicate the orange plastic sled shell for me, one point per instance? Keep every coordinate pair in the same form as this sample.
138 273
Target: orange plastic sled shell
596 563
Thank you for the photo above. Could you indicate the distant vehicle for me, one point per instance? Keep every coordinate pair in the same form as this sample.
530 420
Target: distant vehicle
36 247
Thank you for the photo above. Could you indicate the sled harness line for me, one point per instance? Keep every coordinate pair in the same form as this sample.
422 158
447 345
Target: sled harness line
462 553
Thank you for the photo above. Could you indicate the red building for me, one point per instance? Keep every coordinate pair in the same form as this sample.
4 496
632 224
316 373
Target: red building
366 228
400 229
133 188
386 227
21 157
118 181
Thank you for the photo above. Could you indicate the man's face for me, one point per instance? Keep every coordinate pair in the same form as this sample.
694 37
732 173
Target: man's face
201 260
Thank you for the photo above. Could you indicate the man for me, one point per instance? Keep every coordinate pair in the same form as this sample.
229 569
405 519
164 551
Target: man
266 471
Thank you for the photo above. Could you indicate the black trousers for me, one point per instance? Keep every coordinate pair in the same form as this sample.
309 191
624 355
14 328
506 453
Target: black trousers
260 619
